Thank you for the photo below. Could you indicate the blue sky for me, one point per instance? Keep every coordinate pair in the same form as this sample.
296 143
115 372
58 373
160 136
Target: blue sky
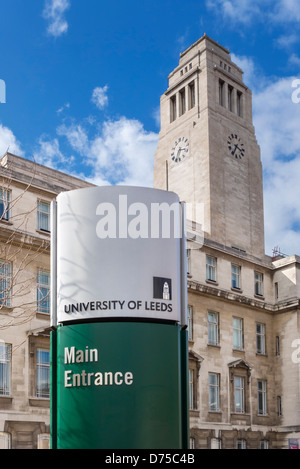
84 79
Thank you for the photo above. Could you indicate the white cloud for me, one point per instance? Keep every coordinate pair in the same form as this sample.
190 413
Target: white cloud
156 116
8 142
121 154
276 120
246 11
62 108
241 11
76 136
49 154
54 12
294 60
287 40
249 68
99 97
286 11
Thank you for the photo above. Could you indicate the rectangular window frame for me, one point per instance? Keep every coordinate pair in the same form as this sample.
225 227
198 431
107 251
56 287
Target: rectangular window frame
5 283
5 200
43 216
5 369
230 97
211 268
239 103
258 283
190 322
182 102
191 390
213 327
173 108
262 397
188 261
238 333
5 440
221 92
236 276
43 291
191 95
260 338
239 394
42 373
240 444
214 392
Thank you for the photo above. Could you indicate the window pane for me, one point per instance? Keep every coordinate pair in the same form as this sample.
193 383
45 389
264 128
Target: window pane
191 389
210 268
239 394
43 292
214 392
43 373
4 204
190 323
260 338
5 369
5 283
235 276
213 332
43 216
258 283
262 397
238 333
5 440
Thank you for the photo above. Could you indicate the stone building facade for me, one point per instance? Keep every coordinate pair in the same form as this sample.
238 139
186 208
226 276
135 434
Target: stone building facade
244 335
26 191
243 306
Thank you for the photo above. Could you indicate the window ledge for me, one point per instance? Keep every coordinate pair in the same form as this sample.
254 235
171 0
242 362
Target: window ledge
211 282
45 233
236 290
5 400
5 309
259 297
39 401
6 222
41 315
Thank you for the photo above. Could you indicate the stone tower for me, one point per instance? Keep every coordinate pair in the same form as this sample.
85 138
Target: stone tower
207 151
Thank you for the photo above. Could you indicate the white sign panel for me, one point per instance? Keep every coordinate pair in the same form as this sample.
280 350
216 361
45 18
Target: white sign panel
119 254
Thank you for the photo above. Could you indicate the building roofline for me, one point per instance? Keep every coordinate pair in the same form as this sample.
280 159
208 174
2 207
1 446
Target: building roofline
202 39
12 156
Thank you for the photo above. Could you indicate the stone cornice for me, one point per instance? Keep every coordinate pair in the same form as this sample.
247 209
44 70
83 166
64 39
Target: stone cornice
231 297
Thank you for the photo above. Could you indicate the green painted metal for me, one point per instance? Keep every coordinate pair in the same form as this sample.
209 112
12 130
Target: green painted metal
53 388
143 407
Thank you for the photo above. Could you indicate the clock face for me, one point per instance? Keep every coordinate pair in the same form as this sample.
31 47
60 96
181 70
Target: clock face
180 149
235 146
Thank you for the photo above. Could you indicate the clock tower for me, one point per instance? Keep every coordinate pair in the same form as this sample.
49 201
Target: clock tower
207 151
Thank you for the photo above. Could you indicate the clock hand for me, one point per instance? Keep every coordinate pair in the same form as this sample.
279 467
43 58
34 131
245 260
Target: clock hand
235 148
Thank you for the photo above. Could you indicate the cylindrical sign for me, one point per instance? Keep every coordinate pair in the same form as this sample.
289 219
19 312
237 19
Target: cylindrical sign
119 254
119 339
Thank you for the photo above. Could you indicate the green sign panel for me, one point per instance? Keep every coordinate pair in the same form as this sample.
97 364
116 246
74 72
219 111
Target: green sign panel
120 385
